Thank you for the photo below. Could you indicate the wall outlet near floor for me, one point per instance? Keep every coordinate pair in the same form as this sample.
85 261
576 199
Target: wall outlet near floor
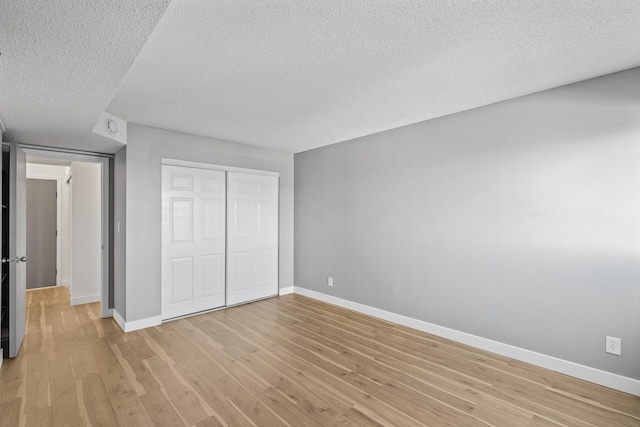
613 345
329 281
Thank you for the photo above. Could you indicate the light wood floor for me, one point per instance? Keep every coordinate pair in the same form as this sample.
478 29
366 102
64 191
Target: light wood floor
288 361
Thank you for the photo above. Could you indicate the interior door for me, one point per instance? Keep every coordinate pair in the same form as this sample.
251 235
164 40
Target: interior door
252 212
193 240
17 248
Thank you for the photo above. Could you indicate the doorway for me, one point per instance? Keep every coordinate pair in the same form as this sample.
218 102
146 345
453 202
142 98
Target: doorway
82 251
40 173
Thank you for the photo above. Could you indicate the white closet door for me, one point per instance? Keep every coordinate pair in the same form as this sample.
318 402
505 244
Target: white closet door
193 240
252 229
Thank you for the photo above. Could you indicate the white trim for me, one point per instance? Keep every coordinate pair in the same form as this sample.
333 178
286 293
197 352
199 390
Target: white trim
62 151
286 291
198 165
142 323
87 299
1 357
108 313
597 376
136 324
119 320
197 313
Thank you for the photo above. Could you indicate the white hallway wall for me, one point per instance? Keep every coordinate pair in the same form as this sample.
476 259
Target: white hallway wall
86 233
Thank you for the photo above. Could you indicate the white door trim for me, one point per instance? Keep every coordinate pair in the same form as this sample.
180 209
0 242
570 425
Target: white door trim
198 165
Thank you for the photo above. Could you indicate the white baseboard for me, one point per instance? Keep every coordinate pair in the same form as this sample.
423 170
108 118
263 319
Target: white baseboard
85 299
119 320
1 358
285 291
597 376
136 324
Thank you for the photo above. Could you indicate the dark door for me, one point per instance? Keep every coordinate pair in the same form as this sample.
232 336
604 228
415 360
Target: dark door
41 233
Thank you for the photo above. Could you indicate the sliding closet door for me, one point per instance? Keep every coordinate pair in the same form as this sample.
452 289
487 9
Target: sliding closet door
252 229
193 240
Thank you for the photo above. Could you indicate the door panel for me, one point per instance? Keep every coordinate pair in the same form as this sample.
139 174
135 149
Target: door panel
266 223
264 267
212 211
193 240
252 227
182 280
212 275
181 220
242 261
17 248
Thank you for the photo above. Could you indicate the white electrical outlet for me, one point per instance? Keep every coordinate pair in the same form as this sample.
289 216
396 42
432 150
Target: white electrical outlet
329 281
613 345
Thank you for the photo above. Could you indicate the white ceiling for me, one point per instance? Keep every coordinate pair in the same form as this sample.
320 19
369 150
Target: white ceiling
292 75
62 61
298 75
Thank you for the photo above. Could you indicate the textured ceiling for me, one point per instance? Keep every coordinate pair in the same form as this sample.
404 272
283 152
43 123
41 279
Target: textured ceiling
62 61
298 75
290 75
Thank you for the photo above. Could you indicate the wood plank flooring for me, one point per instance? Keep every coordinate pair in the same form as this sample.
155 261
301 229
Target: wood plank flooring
287 361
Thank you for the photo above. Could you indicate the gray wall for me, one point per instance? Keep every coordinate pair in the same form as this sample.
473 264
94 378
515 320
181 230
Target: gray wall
517 222
146 146
119 240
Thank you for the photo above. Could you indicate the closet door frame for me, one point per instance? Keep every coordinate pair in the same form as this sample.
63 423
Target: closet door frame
225 168
190 164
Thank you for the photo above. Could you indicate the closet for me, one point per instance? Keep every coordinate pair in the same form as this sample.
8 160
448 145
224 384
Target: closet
219 236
